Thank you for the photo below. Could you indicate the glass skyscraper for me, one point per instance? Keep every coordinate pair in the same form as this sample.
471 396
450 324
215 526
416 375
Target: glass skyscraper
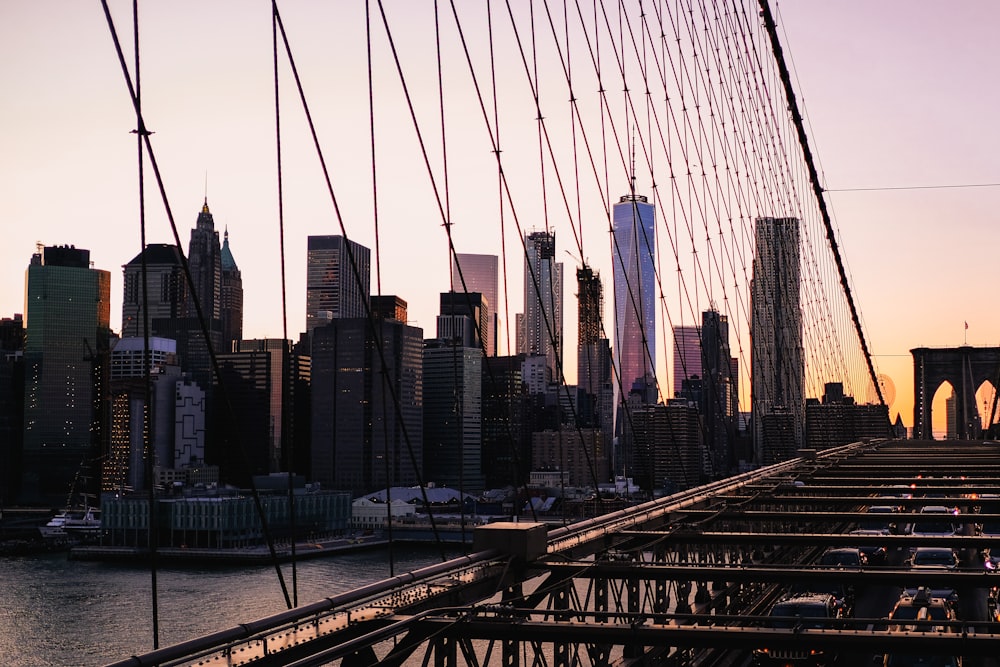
633 256
777 367
480 275
67 322
333 290
541 327
687 355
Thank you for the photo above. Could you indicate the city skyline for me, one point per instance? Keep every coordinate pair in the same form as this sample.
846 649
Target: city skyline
883 232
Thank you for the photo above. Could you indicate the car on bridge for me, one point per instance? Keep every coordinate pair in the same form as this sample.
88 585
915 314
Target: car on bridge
917 613
811 610
843 557
934 521
933 558
875 553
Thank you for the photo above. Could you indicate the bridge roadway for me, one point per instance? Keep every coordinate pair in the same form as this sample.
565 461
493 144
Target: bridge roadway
684 580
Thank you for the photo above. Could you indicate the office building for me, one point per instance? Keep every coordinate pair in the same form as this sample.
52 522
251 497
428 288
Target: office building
634 260
67 324
453 383
506 422
777 365
593 365
719 394
577 452
11 406
338 275
666 446
540 328
165 298
138 425
367 405
205 263
464 317
478 273
837 420
256 432
230 296
687 355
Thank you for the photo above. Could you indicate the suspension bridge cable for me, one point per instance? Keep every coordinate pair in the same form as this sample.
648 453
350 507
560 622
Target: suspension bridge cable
287 372
195 300
817 188
355 270
147 354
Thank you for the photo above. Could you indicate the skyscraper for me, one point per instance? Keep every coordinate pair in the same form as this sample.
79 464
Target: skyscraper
480 275
464 316
453 382
777 366
205 262
231 297
593 363
542 324
67 323
261 377
361 440
333 289
719 402
139 427
633 255
166 292
687 354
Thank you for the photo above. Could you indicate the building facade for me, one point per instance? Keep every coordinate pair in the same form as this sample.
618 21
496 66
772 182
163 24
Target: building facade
634 260
231 297
719 404
338 276
367 405
687 355
777 365
593 364
453 377
540 329
478 273
165 296
256 434
67 325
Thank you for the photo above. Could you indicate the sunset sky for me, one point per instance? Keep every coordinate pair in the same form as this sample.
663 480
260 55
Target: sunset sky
900 98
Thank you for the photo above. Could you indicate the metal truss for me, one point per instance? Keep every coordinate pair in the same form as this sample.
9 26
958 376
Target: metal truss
684 580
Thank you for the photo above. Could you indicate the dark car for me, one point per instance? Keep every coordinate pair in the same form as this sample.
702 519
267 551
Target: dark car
875 553
810 611
843 557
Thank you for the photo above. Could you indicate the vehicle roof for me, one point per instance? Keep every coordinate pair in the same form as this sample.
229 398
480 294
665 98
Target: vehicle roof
934 509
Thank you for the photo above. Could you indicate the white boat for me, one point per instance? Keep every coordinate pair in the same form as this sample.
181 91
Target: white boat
80 522
55 527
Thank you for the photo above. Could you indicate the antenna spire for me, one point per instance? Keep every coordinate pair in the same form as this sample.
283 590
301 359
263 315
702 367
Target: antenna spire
632 173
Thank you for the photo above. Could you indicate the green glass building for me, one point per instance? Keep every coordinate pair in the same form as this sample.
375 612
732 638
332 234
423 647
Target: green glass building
67 325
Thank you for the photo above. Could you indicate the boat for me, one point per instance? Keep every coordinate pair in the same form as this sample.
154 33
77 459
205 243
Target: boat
79 522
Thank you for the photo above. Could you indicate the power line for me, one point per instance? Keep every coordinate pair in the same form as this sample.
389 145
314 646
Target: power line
915 187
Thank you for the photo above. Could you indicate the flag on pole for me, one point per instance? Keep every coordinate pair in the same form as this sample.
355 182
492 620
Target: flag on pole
966 325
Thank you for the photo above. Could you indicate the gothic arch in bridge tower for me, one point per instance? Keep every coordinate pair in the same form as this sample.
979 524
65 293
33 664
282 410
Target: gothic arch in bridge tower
966 368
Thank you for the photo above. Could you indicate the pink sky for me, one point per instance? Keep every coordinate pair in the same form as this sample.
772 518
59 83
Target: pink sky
897 93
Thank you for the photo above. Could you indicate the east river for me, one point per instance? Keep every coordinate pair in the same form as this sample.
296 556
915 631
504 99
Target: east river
62 613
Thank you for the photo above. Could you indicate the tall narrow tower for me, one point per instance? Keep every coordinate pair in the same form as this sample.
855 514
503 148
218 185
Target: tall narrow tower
205 261
231 297
634 255
67 323
593 361
543 302
777 366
